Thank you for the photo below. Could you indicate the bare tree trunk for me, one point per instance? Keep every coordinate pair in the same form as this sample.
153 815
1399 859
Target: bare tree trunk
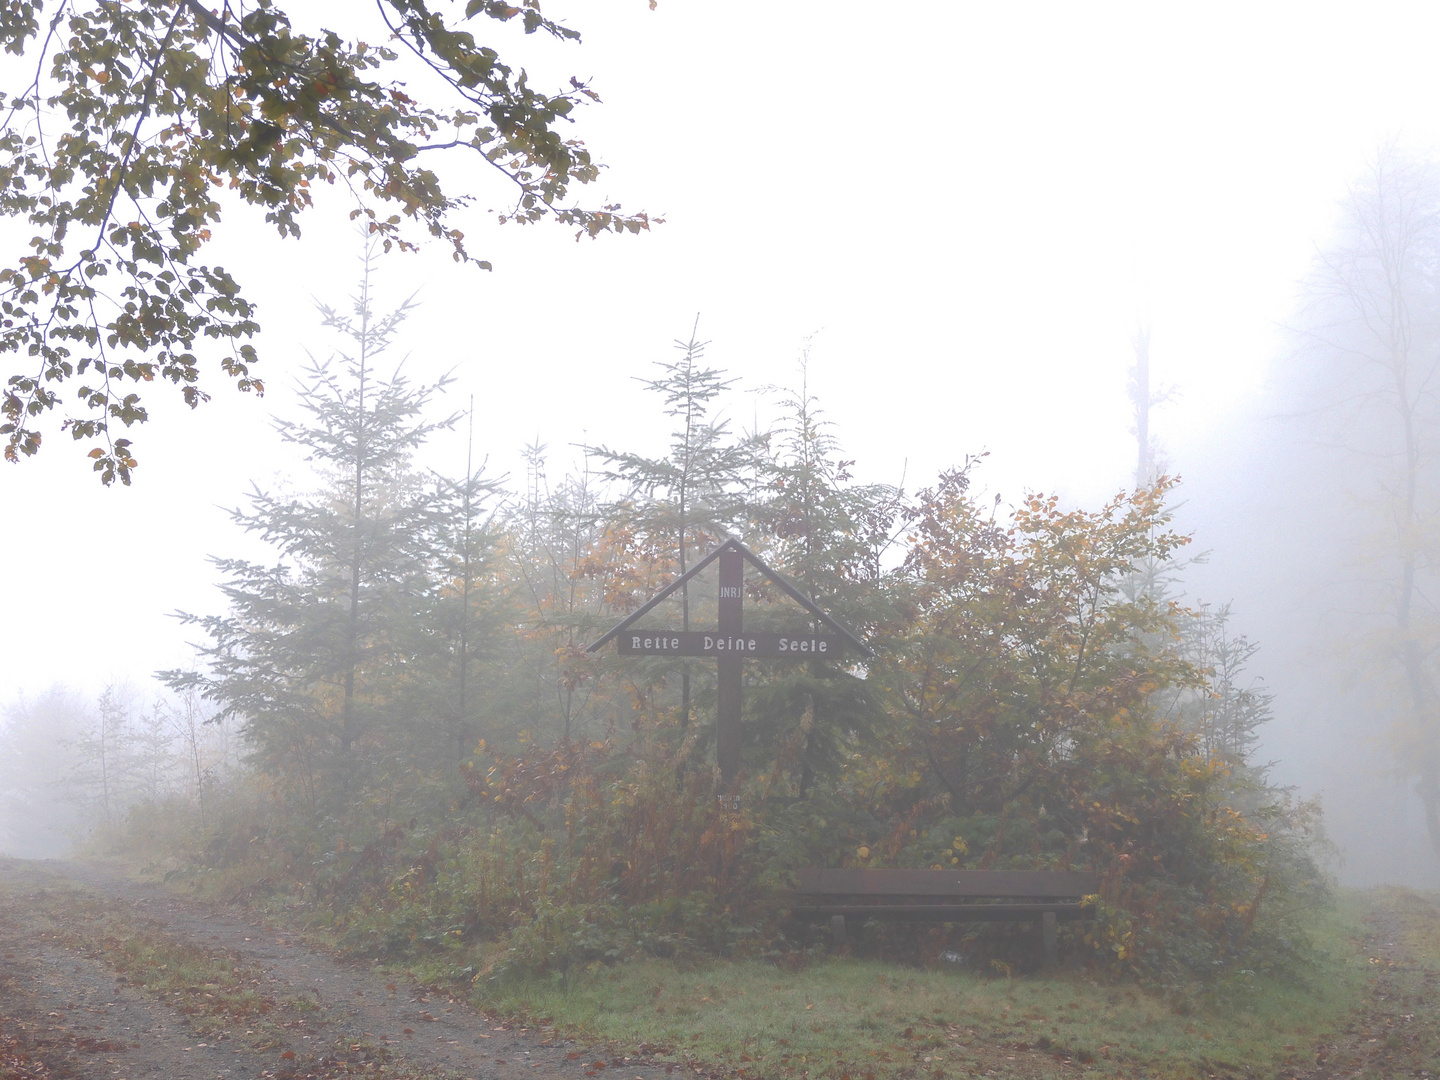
348 723
1140 395
462 722
1422 692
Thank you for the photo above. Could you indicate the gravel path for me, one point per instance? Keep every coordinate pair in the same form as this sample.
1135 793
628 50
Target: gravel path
75 1020
64 1013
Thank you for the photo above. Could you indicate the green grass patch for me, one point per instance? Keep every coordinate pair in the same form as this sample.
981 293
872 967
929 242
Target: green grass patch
215 992
868 1020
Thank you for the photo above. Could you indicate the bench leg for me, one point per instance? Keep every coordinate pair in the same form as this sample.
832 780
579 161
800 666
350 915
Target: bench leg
1047 940
837 930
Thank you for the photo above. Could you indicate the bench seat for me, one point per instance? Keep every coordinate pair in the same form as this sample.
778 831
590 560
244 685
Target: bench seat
1046 896
997 912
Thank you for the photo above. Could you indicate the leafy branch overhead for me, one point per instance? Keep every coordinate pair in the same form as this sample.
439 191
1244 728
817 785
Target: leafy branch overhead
138 114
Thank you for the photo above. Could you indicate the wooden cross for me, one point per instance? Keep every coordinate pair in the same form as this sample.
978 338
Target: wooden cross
728 643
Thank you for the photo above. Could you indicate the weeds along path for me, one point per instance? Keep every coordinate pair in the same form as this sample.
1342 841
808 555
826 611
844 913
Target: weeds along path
63 1014
101 977
1397 1033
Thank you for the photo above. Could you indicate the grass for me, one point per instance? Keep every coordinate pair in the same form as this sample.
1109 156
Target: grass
215 993
868 1020
850 1019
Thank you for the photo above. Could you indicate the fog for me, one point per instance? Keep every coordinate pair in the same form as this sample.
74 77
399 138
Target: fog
1273 518
972 211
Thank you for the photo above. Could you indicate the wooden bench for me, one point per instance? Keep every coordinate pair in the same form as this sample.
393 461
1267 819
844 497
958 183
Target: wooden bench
1045 896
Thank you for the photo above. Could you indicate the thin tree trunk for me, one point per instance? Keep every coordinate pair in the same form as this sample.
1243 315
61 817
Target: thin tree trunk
462 725
352 634
1142 402
1422 697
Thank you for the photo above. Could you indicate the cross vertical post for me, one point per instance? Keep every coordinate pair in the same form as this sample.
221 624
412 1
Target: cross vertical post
729 624
729 644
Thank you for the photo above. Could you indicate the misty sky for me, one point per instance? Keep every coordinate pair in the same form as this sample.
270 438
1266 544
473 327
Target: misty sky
973 205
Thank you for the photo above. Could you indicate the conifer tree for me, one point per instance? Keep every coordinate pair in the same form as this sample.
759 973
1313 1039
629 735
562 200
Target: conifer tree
105 760
828 534
1233 705
686 500
459 612
558 531
312 655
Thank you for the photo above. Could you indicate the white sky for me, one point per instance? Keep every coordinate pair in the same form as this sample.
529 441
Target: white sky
974 204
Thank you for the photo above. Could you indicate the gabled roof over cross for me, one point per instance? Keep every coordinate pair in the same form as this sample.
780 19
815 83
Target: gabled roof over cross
754 560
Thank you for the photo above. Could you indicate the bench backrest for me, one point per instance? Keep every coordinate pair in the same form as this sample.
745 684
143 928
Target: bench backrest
986 883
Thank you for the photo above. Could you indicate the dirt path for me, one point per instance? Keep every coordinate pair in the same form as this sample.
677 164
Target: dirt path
1396 1034
64 1015
275 1008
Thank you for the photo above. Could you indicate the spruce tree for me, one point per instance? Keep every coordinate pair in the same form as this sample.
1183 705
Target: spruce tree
829 534
684 501
460 614
314 654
